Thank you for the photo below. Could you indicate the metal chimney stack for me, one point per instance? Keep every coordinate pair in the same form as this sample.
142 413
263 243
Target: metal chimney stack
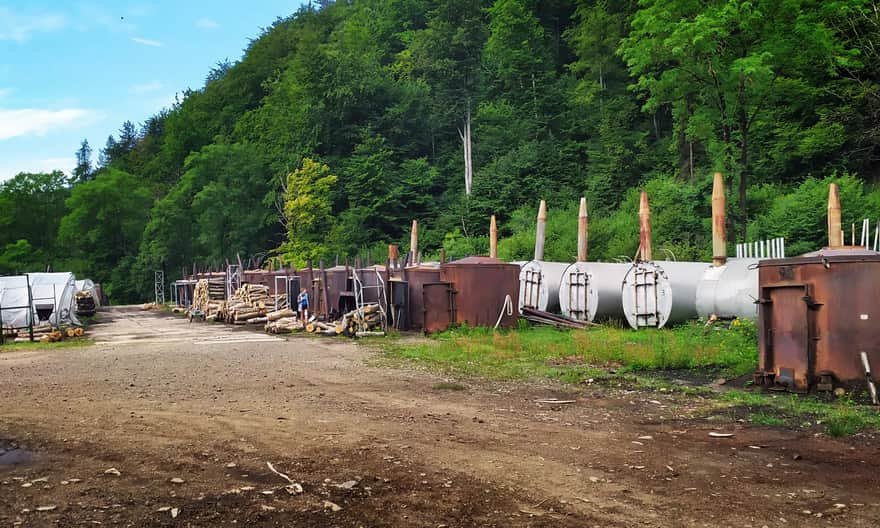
719 221
644 228
414 241
583 234
493 238
835 231
540 231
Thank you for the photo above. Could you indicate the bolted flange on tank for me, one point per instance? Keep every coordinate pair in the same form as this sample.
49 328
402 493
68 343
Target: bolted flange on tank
592 291
539 283
655 294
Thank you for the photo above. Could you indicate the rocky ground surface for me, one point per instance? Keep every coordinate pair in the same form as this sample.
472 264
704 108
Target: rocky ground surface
166 423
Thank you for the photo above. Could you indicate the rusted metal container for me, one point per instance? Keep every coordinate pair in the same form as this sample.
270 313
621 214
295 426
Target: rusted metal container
816 314
334 282
416 278
482 286
439 302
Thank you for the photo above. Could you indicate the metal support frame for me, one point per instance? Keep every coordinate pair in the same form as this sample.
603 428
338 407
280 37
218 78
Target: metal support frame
159 286
284 280
358 287
233 279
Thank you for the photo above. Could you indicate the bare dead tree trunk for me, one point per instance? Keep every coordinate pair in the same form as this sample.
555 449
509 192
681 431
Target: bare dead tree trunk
465 136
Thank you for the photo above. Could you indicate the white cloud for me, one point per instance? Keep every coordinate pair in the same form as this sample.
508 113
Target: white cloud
31 121
19 27
207 23
147 42
139 89
5 92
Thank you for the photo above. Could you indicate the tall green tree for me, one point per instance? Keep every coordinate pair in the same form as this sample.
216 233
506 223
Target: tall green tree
103 229
739 74
83 170
31 208
307 210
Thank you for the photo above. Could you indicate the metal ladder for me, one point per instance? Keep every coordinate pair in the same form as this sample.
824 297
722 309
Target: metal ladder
359 303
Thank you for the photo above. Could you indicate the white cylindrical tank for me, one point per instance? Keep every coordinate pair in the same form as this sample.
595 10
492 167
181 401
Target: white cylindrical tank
730 290
591 290
658 293
539 285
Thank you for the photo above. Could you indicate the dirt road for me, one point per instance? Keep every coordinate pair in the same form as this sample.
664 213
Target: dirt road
189 416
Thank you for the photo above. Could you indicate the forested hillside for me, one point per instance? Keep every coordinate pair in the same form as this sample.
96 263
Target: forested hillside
342 123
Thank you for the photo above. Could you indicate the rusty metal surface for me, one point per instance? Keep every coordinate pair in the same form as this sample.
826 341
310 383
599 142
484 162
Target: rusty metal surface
481 286
439 306
817 314
417 277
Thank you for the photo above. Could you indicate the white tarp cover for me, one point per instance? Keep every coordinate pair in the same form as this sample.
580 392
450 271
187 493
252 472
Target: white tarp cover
58 289
89 286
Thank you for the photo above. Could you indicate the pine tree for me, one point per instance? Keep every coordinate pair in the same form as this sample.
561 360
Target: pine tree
108 153
83 170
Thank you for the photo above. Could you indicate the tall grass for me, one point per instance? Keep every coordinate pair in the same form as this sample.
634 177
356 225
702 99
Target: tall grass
543 351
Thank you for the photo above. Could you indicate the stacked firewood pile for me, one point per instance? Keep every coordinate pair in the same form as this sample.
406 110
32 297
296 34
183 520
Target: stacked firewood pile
252 304
45 334
282 321
85 304
204 301
368 319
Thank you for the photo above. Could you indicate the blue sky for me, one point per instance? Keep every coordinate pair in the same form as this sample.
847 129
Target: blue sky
75 70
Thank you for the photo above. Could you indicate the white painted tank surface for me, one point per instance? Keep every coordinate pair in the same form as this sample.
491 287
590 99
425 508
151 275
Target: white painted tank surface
658 293
590 291
730 290
539 285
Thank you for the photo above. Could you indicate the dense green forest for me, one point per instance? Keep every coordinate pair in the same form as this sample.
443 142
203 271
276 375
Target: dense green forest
344 121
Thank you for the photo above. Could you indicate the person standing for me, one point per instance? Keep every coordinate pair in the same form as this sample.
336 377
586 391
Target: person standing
302 300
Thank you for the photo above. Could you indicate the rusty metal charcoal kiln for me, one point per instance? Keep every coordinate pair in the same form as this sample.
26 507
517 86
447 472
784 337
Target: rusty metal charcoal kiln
408 293
473 291
817 313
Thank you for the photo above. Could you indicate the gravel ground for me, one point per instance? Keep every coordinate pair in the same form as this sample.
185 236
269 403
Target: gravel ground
166 423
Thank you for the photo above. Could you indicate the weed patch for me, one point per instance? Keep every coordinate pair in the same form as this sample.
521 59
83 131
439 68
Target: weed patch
67 343
573 355
838 418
